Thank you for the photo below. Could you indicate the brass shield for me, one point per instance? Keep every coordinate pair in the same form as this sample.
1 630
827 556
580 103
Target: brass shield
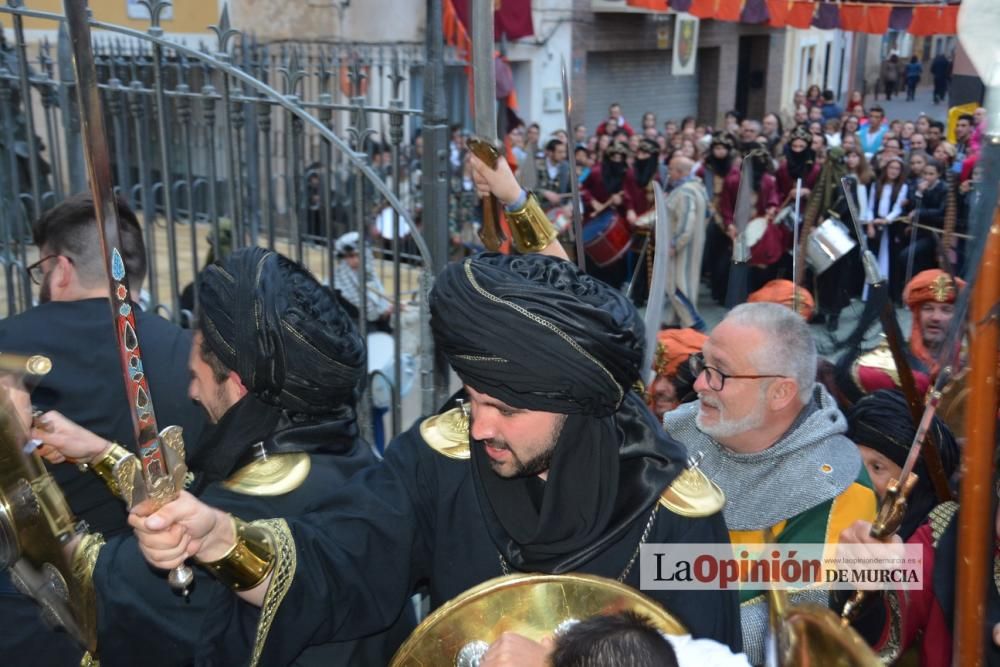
533 605
35 527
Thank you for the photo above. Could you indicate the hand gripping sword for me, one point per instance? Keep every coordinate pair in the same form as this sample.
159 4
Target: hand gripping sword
159 475
484 97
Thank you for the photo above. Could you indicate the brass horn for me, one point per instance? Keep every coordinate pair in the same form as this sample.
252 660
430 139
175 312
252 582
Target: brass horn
533 605
809 635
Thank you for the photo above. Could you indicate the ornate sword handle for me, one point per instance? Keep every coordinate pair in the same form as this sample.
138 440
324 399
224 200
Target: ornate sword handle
491 234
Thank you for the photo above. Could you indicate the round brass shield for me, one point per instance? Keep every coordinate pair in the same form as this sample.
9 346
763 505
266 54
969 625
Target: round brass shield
533 605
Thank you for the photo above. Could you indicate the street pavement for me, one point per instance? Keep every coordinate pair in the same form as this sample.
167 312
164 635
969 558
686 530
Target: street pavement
899 108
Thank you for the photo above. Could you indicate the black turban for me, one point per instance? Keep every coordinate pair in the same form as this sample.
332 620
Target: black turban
268 319
882 421
537 333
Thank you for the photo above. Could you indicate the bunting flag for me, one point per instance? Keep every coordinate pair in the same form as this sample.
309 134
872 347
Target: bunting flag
899 18
510 17
728 10
827 16
754 11
800 15
651 5
934 20
871 19
455 34
703 9
778 11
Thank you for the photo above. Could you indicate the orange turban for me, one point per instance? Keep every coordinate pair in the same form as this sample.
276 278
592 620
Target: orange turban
780 292
930 285
673 347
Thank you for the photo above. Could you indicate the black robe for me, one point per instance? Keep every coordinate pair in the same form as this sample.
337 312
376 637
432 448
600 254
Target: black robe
135 602
417 519
86 385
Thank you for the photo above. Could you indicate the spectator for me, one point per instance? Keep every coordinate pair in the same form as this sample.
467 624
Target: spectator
873 132
941 72
855 104
913 71
615 114
830 108
889 74
814 96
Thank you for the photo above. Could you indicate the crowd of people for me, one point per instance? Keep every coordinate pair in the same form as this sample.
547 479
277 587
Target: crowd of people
912 185
553 457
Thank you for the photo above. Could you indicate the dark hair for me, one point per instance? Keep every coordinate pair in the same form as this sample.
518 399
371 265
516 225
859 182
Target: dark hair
552 144
828 95
913 59
626 638
535 126
735 114
968 118
938 167
937 124
220 372
876 109
70 229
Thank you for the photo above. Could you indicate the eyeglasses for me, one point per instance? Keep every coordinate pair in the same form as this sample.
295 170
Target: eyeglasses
35 270
715 378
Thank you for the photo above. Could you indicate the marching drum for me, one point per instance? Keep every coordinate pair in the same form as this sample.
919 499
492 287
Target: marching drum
606 238
827 243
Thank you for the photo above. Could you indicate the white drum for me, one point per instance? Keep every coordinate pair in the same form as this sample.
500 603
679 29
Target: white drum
828 243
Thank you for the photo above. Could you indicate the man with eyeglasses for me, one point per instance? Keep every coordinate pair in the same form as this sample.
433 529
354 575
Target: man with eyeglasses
773 439
72 326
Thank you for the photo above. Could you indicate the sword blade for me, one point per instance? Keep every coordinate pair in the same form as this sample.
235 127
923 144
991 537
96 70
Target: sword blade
484 80
98 160
658 283
741 210
574 182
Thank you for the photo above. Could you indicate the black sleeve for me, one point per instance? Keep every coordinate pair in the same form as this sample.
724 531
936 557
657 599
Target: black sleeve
355 566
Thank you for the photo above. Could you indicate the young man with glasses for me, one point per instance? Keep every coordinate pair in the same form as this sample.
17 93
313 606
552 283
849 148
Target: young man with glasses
72 326
773 439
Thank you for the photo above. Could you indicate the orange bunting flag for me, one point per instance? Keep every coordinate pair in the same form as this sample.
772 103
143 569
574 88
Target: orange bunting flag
778 9
652 5
934 20
728 10
703 9
800 15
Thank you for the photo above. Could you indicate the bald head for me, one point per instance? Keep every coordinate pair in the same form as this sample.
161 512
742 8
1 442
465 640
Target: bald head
680 167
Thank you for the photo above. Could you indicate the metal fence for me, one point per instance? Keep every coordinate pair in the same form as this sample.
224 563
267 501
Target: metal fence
282 145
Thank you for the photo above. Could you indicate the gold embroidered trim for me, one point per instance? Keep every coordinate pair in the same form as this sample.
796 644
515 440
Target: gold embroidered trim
281 579
939 518
83 564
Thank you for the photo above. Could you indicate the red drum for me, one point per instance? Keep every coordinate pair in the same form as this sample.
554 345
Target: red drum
606 238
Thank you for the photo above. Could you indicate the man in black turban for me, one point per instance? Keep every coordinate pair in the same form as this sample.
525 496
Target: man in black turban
881 425
555 465
276 363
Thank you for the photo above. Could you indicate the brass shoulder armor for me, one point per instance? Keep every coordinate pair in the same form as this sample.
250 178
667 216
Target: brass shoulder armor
693 494
447 433
271 476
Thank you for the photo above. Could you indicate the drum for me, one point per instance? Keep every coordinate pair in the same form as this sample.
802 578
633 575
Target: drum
828 243
606 238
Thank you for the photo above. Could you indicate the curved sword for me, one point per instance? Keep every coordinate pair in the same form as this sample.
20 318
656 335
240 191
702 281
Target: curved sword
658 284
574 182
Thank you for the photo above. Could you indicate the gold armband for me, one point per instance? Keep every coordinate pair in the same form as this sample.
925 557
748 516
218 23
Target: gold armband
248 562
116 468
531 230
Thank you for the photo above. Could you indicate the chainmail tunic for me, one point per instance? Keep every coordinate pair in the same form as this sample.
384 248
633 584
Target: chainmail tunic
766 488
811 464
